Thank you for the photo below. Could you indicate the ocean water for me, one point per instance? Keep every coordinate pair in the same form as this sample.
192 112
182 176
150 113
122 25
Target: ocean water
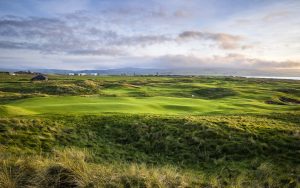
275 77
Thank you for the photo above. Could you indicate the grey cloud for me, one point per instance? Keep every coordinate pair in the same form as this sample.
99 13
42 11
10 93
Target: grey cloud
225 41
32 27
273 16
49 35
142 40
28 22
18 45
276 65
60 35
181 14
100 52
54 35
144 13
42 29
229 61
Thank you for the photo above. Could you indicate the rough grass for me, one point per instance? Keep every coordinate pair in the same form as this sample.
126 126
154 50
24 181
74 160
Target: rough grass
189 141
52 87
71 167
170 132
214 93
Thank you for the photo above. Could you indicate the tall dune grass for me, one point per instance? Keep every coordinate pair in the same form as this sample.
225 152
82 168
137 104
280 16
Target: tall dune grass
72 167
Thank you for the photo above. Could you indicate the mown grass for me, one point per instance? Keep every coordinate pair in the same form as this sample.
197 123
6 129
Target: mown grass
147 105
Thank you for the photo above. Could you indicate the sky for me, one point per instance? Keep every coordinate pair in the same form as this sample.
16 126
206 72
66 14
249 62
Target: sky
168 34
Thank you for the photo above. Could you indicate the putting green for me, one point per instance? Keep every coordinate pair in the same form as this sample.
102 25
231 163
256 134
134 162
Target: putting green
154 105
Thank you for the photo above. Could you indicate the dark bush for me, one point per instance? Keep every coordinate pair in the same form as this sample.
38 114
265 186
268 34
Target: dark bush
214 93
61 177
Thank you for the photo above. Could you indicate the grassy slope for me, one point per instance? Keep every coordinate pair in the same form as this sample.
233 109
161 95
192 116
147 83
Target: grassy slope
187 140
155 105
219 132
242 151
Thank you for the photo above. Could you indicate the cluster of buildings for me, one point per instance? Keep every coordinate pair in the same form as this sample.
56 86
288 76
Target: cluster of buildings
83 74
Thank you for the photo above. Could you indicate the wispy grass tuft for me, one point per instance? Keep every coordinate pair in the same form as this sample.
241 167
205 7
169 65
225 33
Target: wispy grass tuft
72 167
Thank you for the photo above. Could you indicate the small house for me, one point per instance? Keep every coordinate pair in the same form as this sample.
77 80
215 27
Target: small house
39 77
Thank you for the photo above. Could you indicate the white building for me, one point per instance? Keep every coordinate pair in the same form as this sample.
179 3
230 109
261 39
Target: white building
94 74
71 74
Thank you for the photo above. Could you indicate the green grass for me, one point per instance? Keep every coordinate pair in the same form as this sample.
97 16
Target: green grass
186 140
153 105
221 149
147 131
190 95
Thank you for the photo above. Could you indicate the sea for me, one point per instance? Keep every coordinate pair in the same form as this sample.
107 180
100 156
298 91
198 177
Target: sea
275 77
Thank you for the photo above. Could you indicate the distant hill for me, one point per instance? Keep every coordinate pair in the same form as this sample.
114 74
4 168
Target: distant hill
145 71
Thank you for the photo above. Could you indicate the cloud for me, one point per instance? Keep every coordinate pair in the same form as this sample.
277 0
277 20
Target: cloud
225 41
100 52
52 36
276 15
46 33
181 14
143 40
78 34
232 61
56 36
62 7
276 65
18 45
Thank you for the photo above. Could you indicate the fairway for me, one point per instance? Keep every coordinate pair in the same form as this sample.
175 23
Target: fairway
146 105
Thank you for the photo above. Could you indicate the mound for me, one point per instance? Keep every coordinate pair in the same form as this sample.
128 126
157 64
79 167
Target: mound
138 94
214 93
283 101
274 102
291 91
289 100
6 110
53 88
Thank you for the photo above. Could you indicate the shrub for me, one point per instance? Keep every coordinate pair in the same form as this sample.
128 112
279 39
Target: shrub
214 93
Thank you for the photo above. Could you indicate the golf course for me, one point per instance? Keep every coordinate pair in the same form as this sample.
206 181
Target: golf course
151 95
149 131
